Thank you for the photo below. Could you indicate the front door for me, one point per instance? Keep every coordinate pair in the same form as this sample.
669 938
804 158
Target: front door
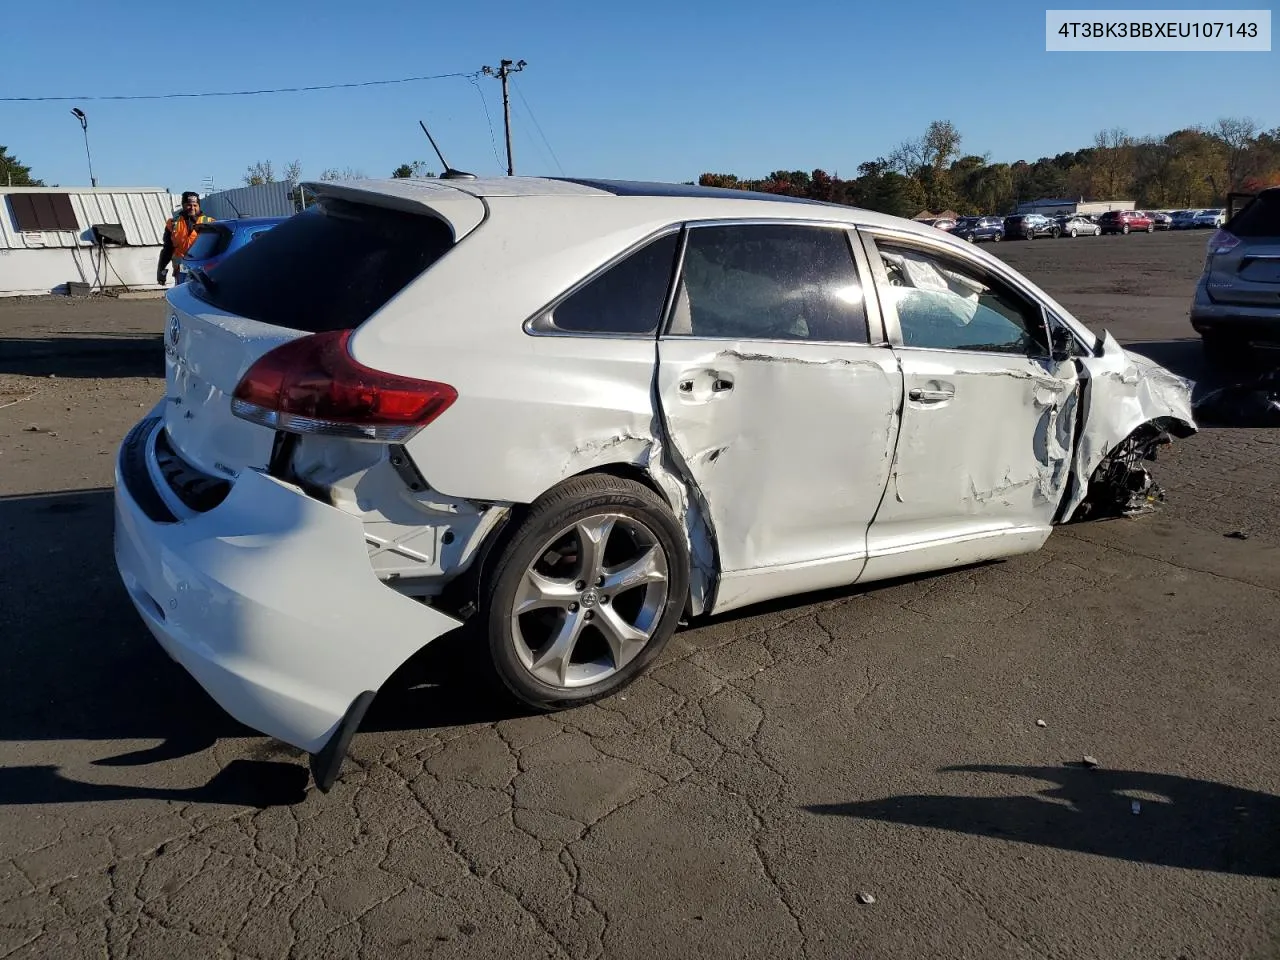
988 421
778 405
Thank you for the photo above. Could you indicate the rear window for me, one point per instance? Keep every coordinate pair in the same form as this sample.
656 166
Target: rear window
328 268
209 242
1260 218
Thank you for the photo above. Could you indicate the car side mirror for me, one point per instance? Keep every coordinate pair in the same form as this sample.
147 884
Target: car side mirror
1061 344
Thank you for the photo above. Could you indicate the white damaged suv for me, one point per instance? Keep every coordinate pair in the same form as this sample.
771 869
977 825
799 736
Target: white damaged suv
577 411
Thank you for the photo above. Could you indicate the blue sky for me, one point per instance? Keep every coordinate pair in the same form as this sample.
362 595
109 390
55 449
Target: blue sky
655 90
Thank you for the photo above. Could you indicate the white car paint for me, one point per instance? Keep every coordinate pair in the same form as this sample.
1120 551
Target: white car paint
815 468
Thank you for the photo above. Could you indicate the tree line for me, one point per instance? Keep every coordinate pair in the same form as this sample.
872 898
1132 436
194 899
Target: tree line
1192 167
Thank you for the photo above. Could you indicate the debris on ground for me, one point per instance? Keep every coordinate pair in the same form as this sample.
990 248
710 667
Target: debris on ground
1236 535
33 428
1255 404
1041 723
1090 761
865 897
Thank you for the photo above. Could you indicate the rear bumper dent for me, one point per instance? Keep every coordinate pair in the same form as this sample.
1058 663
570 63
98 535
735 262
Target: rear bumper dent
270 603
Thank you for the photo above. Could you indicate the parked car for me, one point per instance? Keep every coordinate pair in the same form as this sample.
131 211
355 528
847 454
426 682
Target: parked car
1076 226
1212 218
975 229
1125 221
1183 219
1237 301
1162 221
572 460
218 239
1028 226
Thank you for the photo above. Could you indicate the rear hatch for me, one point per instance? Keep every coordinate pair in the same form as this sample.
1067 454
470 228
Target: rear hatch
329 268
1243 259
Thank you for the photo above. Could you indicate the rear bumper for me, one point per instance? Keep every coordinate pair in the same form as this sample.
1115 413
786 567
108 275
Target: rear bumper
269 602
1253 324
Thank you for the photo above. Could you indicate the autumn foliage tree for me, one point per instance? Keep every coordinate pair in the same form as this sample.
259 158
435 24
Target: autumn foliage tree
1193 167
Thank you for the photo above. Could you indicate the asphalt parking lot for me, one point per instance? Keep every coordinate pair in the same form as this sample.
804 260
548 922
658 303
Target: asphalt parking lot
917 744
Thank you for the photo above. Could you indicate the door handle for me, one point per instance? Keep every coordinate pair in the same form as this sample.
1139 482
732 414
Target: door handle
931 396
686 386
721 386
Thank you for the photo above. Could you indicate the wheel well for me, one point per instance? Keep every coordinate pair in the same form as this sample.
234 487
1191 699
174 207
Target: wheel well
463 591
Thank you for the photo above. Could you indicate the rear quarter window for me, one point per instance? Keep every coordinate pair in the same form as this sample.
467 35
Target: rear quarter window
1260 218
209 242
328 268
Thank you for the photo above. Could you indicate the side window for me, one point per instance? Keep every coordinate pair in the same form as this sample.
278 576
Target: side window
769 282
627 298
943 303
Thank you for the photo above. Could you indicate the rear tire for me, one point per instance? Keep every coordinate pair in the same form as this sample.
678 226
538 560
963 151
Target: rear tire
1151 228
1072 233
1125 229
557 640
997 238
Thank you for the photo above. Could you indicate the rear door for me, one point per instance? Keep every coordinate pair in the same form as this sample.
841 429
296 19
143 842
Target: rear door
984 452
781 399
1248 272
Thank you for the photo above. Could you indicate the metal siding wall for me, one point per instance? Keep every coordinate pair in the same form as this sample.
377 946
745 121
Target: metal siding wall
262 200
141 213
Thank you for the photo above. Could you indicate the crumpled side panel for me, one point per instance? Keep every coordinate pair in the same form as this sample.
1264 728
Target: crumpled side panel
1124 391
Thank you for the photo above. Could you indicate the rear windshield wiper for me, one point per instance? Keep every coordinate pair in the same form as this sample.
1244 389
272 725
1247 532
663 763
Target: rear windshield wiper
203 278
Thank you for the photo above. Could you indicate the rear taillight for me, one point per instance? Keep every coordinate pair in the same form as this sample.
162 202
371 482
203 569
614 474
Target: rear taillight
314 386
1222 242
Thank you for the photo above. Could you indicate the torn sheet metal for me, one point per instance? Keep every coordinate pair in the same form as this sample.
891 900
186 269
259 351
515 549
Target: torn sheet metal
1123 392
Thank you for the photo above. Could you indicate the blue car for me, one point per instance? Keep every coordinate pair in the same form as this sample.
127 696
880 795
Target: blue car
974 229
216 240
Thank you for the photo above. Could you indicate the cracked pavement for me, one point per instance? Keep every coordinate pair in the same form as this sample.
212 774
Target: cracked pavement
735 802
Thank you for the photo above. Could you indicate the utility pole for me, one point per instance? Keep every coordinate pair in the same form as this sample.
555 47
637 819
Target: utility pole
505 69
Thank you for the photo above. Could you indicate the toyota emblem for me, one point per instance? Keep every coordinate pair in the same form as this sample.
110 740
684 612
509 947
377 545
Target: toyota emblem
175 330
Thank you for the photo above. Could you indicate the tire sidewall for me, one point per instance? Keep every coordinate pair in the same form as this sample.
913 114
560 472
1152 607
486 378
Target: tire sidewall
521 550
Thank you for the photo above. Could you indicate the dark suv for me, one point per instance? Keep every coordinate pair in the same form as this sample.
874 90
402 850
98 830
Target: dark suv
974 229
1126 221
1237 301
1028 226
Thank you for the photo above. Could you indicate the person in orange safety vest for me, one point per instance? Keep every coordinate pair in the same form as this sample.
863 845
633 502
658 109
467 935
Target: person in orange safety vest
179 235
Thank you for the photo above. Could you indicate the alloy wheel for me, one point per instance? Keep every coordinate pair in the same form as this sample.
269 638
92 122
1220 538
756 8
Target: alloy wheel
590 601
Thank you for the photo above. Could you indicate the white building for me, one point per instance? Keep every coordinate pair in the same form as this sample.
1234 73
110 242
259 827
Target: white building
1088 208
48 237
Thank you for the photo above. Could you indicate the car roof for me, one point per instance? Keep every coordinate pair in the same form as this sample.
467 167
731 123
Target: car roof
645 199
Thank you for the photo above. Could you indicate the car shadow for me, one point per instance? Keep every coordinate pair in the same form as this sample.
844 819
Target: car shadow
100 355
81 666
1151 818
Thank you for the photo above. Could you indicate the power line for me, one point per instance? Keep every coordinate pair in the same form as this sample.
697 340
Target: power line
529 110
543 156
243 93
493 140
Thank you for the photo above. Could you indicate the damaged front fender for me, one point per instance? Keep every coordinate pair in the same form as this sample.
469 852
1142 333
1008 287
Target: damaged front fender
1132 405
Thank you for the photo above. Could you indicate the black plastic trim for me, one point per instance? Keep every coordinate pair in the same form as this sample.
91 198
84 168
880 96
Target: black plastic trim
133 473
195 488
327 764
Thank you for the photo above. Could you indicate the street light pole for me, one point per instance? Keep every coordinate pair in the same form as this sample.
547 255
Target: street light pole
84 126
